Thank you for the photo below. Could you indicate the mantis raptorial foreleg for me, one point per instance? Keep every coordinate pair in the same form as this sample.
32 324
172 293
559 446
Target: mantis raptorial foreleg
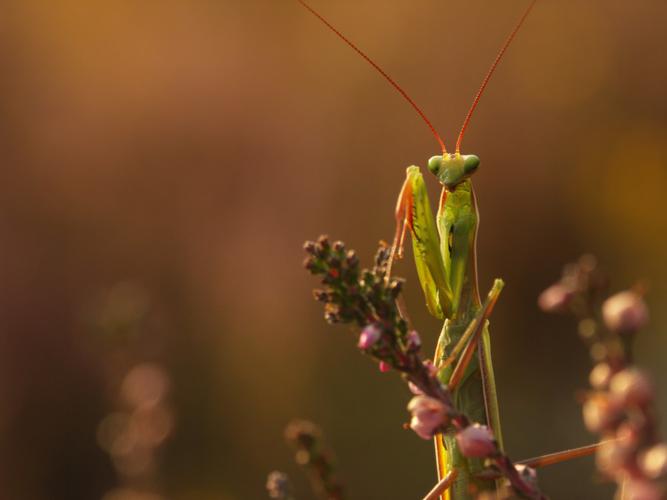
413 211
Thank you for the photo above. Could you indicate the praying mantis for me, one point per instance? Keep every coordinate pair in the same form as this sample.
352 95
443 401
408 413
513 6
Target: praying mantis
444 251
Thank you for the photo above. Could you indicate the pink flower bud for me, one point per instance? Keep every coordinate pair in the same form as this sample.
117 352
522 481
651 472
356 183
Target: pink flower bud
476 441
600 376
639 489
413 341
432 370
631 387
625 312
428 414
653 462
600 413
414 389
369 337
384 366
629 433
612 458
555 298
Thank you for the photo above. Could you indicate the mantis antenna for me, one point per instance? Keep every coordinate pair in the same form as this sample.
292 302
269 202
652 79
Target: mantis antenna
380 70
490 72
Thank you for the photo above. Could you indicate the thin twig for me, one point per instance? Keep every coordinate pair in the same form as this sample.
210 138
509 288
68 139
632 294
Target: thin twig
442 485
561 456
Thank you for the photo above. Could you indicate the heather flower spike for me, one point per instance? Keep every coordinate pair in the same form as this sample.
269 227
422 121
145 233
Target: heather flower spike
620 407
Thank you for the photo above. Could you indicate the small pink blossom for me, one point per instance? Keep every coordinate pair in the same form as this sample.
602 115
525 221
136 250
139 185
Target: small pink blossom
369 337
632 387
653 462
613 458
600 376
476 441
639 489
413 341
428 415
432 369
600 412
384 366
414 389
629 434
625 312
555 298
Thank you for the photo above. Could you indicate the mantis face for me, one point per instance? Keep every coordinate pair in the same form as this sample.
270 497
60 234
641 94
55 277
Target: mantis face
452 169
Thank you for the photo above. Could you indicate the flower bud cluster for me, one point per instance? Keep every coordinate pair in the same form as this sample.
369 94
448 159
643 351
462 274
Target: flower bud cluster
620 410
365 297
619 407
352 294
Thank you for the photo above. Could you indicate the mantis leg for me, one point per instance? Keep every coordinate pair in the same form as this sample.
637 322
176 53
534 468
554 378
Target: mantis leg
460 370
413 211
477 335
468 342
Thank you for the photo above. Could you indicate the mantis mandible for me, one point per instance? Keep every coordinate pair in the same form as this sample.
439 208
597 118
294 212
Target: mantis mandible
446 262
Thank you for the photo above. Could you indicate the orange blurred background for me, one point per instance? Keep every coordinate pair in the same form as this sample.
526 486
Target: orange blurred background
164 161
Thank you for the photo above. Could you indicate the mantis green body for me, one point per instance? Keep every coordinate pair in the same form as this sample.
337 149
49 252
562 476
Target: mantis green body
445 257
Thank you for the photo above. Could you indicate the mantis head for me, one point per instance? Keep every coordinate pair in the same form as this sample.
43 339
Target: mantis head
452 169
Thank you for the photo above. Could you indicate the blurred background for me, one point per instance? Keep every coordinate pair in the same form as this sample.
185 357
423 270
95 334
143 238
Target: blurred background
162 163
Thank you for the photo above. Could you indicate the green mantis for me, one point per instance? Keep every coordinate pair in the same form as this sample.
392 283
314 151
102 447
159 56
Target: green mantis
445 257
444 252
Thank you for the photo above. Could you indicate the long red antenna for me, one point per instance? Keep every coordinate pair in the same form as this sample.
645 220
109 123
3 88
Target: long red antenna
380 70
490 72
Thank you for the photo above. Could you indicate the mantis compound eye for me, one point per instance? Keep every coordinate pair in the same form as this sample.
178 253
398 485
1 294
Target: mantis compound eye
470 164
434 164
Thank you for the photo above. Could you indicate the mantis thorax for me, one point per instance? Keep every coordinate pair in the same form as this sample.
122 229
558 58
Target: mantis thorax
452 169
